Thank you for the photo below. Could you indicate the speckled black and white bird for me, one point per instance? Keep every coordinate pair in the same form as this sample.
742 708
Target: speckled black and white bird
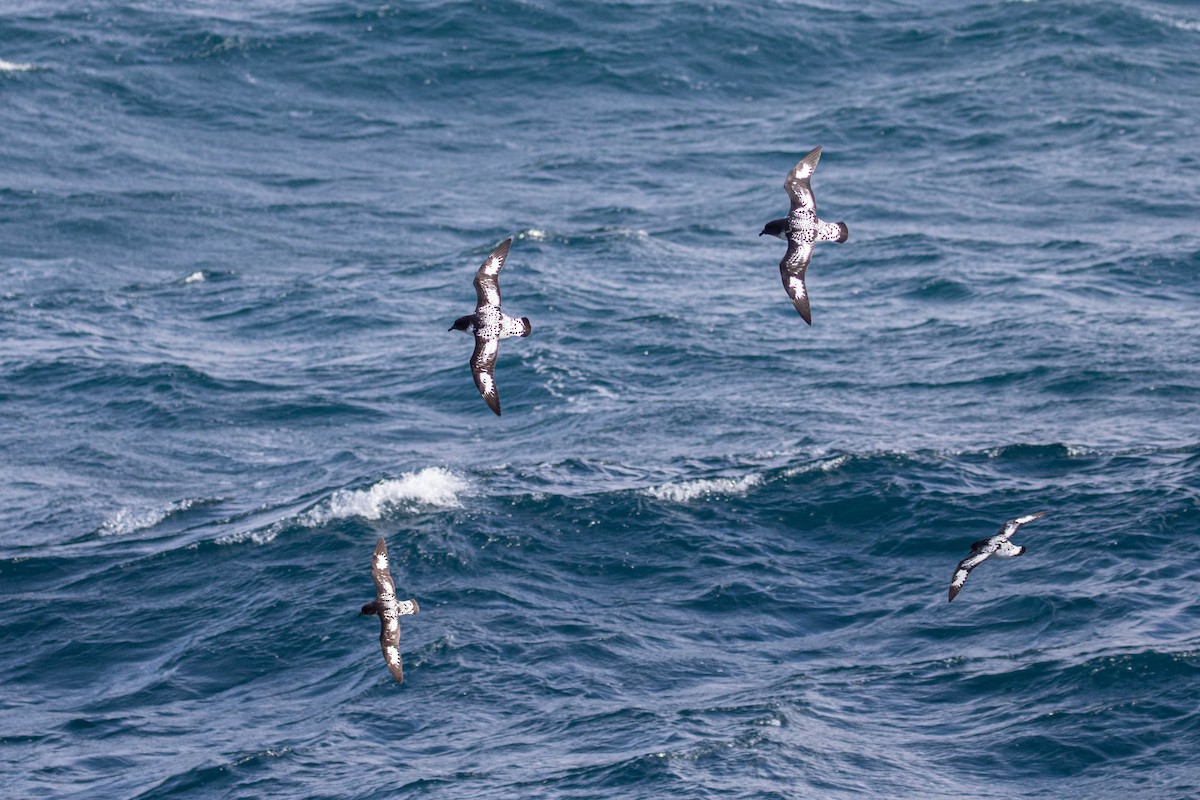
998 545
388 610
801 228
490 325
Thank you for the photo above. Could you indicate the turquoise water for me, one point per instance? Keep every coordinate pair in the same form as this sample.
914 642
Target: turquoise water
705 551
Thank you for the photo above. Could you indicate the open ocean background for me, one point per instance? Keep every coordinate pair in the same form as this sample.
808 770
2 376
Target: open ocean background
705 552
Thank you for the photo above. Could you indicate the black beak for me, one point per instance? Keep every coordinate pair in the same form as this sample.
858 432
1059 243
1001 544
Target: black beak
450 328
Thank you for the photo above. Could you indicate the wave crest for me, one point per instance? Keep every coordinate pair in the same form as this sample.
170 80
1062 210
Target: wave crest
432 486
684 491
130 520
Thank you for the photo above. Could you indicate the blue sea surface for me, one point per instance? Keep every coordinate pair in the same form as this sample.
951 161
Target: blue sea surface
705 552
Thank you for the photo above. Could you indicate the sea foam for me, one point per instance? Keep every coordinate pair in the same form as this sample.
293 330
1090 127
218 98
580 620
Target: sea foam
684 491
432 486
130 520
824 465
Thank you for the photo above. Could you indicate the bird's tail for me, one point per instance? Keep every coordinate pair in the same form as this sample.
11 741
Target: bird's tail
833 232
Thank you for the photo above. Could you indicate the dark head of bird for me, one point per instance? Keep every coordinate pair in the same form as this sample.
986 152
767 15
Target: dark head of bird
369 610
462 323
776 227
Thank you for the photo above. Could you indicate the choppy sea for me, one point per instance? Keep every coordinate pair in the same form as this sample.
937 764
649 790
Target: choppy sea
705 551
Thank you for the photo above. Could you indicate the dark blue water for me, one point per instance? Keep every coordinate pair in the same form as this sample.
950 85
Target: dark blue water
705 552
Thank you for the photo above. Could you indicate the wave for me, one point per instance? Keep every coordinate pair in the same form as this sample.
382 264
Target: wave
688 490
684 491
823 465
433 486
9 66
130 520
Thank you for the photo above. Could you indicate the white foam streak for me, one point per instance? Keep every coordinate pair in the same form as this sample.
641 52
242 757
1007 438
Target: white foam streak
9 66
826 465
685 491
131 520
432 486
263 536
1179 24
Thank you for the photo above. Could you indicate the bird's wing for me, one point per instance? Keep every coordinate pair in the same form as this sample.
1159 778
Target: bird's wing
1013 525
799 182
791 270
385 587
483 367
389 641
487 284
963 570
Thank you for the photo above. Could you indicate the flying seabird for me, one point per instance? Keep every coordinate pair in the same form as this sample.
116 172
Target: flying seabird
388 609
490 325
801 229
997 545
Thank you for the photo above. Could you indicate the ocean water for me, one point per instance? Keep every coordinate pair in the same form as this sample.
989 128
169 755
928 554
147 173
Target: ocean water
705 551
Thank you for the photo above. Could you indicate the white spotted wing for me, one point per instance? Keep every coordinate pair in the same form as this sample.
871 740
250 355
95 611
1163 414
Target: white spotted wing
483 368
487 278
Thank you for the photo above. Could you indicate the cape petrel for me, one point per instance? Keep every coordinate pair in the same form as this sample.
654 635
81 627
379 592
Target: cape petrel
801 228
490 325
981 551
388 609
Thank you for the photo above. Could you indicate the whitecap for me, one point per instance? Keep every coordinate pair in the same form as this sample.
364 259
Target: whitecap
195 277
684 491
258 536
825 465
130 520
9 66
432 486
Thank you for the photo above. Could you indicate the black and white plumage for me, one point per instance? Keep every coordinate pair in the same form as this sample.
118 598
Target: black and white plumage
998 545
801 228
490 325
388 609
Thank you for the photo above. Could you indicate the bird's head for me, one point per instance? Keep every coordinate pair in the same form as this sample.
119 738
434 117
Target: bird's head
461 324
369 610
776 227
